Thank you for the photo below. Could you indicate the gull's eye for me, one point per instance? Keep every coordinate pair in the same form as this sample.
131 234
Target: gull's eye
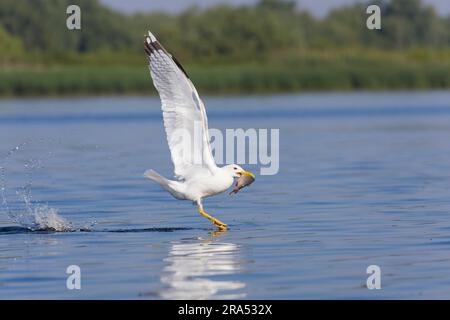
235 168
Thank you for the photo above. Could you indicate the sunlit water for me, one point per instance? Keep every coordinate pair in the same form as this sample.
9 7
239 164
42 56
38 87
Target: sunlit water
364 179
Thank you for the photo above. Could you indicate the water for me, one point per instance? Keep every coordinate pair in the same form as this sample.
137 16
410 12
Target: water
364 179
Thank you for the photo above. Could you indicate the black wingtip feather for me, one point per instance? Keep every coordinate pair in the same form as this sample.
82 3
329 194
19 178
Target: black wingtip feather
150 47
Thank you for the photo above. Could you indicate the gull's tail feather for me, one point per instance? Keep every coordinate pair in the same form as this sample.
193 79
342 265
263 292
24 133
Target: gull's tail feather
155 176
174 187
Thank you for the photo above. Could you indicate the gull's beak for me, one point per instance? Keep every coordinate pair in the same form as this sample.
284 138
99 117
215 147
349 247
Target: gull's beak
248 174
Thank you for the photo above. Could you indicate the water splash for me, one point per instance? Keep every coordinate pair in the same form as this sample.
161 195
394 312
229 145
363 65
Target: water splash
8 155
34 216
40 217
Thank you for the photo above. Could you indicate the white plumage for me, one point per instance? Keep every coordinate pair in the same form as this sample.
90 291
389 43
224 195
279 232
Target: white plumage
186 127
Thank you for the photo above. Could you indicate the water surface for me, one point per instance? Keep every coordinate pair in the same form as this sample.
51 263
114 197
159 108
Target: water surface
364 179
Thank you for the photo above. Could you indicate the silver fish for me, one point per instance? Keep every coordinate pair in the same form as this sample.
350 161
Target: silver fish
244 181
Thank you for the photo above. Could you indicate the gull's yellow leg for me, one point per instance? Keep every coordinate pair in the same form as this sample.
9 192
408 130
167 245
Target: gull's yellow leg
219 224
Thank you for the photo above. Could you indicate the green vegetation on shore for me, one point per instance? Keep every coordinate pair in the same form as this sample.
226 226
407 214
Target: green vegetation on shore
269 47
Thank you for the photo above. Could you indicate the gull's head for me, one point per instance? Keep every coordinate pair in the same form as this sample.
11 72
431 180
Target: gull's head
237 171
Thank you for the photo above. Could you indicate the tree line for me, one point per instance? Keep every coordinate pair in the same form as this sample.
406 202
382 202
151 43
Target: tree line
219 33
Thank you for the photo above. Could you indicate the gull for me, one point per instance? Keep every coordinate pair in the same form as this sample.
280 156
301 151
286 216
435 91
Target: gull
186 126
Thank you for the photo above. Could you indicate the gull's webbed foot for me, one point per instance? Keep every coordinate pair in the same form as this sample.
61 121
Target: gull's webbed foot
219 224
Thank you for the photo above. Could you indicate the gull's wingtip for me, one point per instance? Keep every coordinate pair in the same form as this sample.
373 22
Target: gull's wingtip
151 36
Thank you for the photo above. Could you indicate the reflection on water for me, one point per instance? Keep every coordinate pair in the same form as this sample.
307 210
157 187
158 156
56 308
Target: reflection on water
198 271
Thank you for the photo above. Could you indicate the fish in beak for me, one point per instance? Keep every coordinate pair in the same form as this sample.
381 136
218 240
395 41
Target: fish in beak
246 179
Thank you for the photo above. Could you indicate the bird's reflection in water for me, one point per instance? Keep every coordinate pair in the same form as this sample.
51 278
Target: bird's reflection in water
192 267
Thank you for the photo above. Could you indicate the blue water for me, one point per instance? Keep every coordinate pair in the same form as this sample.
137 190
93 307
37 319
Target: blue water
364 180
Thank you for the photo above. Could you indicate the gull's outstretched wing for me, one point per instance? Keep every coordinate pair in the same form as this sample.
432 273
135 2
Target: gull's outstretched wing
184 113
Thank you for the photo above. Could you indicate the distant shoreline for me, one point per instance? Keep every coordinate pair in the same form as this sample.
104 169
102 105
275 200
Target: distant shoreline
225 80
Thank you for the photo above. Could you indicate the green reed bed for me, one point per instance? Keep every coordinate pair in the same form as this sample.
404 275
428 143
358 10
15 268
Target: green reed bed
304 75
